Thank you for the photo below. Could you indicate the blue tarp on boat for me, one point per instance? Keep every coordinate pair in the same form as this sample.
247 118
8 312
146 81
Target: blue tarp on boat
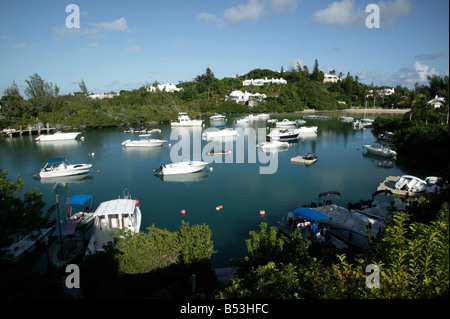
79 199
56 160
310 214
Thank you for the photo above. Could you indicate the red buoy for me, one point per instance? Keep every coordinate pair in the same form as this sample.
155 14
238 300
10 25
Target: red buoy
262 213
183 212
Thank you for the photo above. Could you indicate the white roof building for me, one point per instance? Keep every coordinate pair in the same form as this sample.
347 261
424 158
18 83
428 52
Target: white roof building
437 102
330 78
239 96
260 82
103 95
168 87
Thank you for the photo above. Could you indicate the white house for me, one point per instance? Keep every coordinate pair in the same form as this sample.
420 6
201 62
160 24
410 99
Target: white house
260 82
239 96
330 78
437 102
168 87
103 95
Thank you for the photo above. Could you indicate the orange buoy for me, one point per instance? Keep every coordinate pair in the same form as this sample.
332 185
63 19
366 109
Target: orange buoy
98 171
137 202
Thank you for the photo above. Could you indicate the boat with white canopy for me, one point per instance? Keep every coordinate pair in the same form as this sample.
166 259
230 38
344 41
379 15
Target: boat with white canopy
109 217
185 120
144 141
183 167
60 167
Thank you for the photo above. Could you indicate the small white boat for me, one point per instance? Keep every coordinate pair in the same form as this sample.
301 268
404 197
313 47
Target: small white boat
68 243
317 117
284 123
243 120
411 184
26 243
60 167
309 159
109 217
346 119
219 131
184 167
282 134
351 226
217 117
144 141
79 208
306 130
300 121
381 150
218 152
263 116
273 145
185 120
58 136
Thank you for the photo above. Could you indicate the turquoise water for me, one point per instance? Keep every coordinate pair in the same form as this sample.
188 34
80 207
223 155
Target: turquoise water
236 183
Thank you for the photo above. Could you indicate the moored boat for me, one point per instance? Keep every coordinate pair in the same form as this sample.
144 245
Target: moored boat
109 217
185 120
60 167
183 167
282 134
68 243
144 141
218 132
58 136
285 123
381 150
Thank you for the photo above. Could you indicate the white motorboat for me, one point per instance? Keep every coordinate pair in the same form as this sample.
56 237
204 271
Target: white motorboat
317 117
79 208
351 226
285 123
346 119
411 184
282 134
58 136
300 121
243 120
184 167
185 120
362 123
309 159
408 185
263 116
144 141
272 145
217 117
381 150
68 243
219 131
60 167
306 130
109 217
26 243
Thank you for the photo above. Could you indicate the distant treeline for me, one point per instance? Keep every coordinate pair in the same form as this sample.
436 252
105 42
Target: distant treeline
206 93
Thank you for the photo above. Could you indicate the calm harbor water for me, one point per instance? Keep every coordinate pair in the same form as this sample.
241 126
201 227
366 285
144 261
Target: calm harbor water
235 184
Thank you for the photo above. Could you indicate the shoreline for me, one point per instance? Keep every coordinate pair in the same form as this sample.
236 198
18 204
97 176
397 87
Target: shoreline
380 111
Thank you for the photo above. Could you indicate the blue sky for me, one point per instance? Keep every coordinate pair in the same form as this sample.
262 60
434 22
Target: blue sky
126 44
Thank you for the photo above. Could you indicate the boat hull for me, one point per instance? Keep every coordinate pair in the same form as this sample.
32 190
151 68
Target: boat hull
75 169
58 136
143 144
182 167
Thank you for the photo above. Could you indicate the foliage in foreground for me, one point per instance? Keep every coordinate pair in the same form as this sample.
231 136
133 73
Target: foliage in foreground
412 258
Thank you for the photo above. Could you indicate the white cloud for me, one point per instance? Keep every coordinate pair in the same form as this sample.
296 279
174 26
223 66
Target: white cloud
94 30
342 14
136 48
283 6
209 17
346 14
19 46
418 74
252 10
5 37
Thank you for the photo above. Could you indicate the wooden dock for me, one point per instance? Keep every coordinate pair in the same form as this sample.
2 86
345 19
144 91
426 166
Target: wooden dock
30 130
389 185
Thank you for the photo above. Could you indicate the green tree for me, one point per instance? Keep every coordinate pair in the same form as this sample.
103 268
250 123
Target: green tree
18 217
